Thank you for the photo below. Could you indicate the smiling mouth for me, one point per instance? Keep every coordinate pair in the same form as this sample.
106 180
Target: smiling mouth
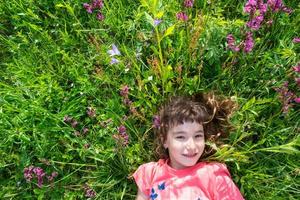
190 155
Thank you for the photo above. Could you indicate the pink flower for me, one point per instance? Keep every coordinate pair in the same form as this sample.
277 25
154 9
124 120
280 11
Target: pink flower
297 100
67 119
255 23
188 3
287 10
39 172
28 171
182 16
127 101
297 68
249 43
76 133
250 6
124 91
262 7
53 175
91 112
89 192
88 8
85 130
285 96
122 129
275 5
74 123
269 22
97 4
296 40
122 137
231 43
100 16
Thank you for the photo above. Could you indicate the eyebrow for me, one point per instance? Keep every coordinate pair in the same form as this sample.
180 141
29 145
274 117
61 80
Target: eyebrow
182 132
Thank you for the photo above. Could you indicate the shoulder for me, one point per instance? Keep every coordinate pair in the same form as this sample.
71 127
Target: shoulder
222 184
145 174
148 167
216 168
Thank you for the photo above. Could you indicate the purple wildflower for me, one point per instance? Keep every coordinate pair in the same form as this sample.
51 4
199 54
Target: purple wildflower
262 7
122 137
124 91
133 110
275 5
100 16
39 172
122 129
127 101
285 96
156 121
53 175
269 22
76 133
28 173
188 3
86 146
91 112
114 61
88 8
287 10
182 16
85 130
74 123
89 192
249 43
255 23
157 22
67 119
97 4
250 6
230 43
296 40
114 51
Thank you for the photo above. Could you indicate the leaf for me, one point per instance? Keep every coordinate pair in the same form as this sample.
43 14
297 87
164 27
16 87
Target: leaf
144 3
249 104
149 19
169 31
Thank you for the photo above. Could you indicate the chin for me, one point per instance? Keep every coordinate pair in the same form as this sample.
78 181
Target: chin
190 163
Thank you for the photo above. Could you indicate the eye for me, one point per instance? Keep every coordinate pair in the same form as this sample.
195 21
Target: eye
199 136
180 137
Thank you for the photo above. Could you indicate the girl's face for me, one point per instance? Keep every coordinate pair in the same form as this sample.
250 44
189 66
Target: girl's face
185 143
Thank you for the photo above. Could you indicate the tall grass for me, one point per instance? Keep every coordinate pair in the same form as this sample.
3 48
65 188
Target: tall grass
61 108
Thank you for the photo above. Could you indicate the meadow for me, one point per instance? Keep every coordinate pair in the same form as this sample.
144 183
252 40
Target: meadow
81 82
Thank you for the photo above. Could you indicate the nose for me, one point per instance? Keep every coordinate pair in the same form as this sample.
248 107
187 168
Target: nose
190 145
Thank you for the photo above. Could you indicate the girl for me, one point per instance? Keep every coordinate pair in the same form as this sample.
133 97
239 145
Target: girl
186 123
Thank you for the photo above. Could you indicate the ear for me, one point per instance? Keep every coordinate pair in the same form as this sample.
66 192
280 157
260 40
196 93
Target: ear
165 145
164 142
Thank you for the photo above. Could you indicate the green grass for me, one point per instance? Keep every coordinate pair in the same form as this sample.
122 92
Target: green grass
54 63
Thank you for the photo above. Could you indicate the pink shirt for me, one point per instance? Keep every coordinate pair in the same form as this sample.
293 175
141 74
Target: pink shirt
203 181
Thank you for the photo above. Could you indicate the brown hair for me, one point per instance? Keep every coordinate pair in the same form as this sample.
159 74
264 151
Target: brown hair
211 111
